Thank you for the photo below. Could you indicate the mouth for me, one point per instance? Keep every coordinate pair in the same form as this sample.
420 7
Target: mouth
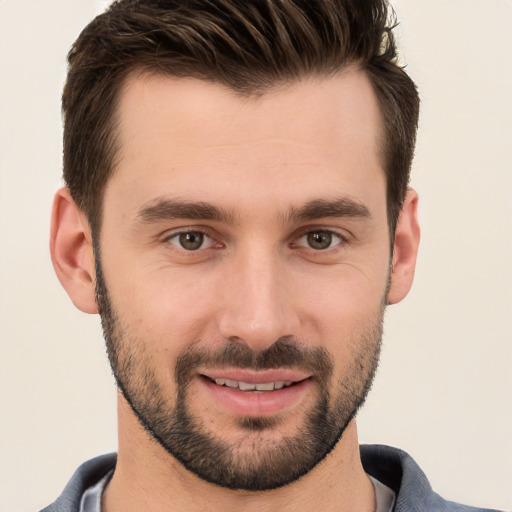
252 386
256 393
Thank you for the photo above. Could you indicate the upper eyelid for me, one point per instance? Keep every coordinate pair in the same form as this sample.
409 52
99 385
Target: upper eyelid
182 231
342 233
343 240
169 240
170 233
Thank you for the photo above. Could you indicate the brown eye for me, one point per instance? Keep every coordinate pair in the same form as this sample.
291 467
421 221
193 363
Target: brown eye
191 240
320 240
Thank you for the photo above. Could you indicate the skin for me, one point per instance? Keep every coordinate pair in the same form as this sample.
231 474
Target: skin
255 279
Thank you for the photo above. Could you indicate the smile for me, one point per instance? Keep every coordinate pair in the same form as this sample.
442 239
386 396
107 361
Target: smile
247 386
247 393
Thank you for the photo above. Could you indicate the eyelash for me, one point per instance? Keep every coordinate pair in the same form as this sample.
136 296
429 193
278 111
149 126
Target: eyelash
342 240
204 233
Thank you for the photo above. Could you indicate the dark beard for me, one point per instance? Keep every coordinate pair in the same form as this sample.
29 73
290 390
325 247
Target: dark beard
252 462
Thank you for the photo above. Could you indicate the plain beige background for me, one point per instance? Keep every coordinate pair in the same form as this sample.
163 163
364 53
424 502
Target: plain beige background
444 388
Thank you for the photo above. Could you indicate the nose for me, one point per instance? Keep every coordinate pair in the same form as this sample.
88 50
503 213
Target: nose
257 306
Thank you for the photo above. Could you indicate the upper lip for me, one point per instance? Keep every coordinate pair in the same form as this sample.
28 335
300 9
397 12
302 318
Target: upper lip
256 376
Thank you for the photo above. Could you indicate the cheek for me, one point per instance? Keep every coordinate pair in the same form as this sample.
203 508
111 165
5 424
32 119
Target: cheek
166 307
344 299
344 316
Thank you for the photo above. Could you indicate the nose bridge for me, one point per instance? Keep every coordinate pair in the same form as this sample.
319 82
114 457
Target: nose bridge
258 307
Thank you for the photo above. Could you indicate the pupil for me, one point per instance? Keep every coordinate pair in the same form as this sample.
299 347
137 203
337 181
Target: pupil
191 241
319 240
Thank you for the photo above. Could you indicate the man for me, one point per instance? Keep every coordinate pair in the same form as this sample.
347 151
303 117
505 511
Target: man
237 210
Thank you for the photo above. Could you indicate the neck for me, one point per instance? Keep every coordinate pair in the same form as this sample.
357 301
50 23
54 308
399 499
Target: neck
148 478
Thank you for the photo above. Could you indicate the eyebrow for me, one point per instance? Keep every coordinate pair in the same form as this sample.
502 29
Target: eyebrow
339 208
169 209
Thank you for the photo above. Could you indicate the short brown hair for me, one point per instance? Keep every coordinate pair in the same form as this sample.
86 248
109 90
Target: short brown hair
247 45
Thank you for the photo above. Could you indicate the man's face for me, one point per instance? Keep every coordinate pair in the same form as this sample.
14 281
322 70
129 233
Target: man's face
243 270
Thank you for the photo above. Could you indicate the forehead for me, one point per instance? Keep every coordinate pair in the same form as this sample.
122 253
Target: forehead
202 139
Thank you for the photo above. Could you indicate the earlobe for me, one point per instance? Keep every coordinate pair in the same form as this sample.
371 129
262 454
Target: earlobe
407 239
72 251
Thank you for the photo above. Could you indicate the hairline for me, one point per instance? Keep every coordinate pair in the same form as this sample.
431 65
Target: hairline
256 92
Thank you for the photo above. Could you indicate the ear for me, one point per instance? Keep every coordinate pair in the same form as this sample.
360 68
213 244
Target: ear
72 251
407 239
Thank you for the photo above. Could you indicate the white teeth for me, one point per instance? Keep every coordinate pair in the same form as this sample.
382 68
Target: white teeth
267 386
246 386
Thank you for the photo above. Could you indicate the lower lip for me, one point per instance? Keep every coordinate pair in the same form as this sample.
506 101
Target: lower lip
256 404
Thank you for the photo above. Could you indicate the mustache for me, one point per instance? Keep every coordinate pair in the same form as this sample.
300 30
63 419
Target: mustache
286 352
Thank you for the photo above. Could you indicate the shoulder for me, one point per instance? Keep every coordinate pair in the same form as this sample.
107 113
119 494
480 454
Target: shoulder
84 477
397 469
